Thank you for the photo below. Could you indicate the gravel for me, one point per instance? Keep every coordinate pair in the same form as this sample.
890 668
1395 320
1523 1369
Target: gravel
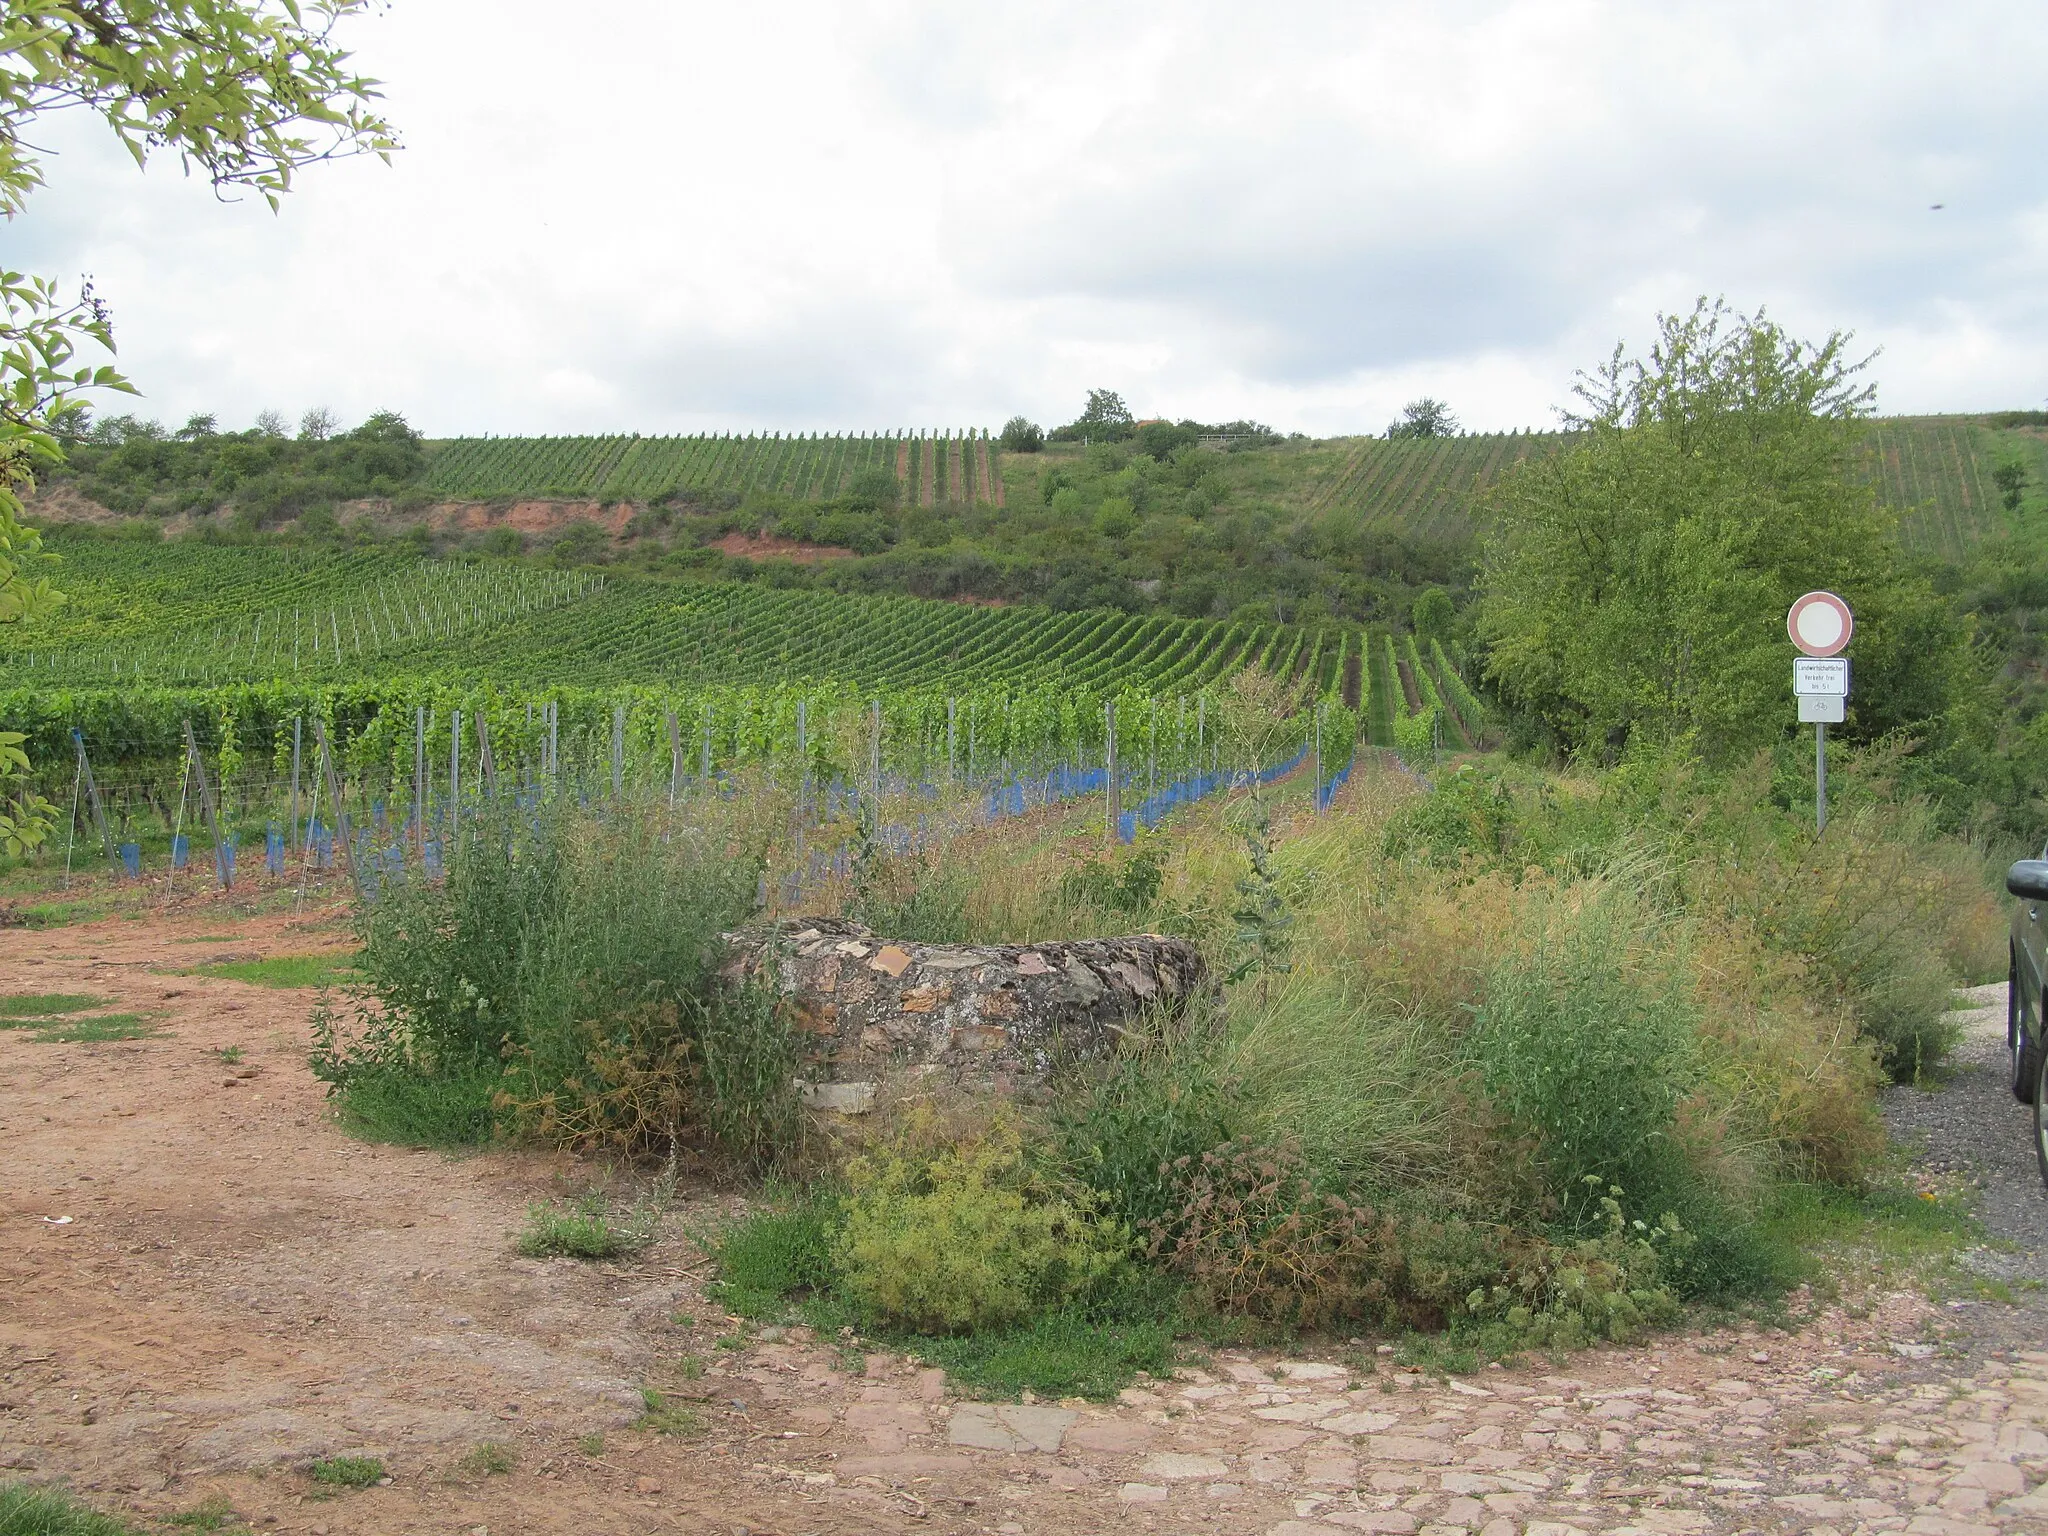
1968 1124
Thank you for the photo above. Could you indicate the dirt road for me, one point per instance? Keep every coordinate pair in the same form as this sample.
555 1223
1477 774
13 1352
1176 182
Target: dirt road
240 1289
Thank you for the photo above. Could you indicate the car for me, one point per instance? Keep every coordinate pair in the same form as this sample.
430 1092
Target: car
2026 995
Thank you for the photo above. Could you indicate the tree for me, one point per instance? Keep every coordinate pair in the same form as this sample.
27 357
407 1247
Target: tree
1105 419
246 91
317 425
270 424
1432 615
1637 582
1022 436
1427 417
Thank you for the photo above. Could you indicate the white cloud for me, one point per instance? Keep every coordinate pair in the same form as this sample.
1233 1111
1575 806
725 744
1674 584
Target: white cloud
672 217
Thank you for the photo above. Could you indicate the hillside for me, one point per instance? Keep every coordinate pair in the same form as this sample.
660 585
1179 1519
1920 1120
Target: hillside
1295 531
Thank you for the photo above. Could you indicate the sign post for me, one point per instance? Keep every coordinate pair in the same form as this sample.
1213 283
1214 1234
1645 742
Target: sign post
1820 624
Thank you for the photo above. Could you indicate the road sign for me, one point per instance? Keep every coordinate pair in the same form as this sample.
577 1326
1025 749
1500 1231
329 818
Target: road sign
1820 709
1820 624
1821 676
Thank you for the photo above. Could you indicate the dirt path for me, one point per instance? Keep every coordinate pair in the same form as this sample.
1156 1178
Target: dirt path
241 1288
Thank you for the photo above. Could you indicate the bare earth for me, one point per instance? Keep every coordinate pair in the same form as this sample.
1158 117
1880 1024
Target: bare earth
240 1289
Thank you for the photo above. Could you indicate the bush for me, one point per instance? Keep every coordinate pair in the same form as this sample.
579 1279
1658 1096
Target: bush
564 973
1610 1286
1590 1057
773 1255
964 1235
586 1231
1255 1239
1022 436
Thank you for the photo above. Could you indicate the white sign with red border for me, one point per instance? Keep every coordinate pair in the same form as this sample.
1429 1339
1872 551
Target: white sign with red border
1820 624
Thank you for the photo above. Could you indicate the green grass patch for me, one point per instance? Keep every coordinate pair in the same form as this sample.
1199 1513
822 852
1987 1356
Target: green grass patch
664 1417
282 971
586 1231
405 1109
41 1005
771 1257
490 1459
1884 1234
1058 1354
26 1511
347 1471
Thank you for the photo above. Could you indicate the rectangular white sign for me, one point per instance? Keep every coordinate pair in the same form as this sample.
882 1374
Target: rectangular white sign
1820 709
1821 675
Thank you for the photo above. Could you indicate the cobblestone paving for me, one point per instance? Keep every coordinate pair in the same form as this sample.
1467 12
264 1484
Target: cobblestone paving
1853 1425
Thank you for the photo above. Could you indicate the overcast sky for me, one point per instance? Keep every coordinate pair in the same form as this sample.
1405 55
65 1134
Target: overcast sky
669 216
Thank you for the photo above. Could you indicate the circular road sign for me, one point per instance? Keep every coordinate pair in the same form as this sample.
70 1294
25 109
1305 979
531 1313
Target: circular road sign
1819 624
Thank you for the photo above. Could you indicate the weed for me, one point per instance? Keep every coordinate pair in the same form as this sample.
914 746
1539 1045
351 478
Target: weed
213 1514
1066 1353
682 1319
26 1511
587 1231
690 1367
591 1445
489 1459
41 1005
347 1471
730 1341
666 1418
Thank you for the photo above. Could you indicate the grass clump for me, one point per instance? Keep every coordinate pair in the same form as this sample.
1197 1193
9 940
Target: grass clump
584 1231
664 1417
490 1459
27 1511
347 1471
781 1252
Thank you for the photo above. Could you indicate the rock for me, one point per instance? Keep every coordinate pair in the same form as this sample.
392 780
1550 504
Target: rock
840 1098
1173 1466
980 1012
2000 1477
1009 1426
1141 1493
1356 1423
1114 1436
1408 1448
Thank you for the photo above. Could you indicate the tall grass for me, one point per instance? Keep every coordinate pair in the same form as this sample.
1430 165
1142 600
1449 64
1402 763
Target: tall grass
563 980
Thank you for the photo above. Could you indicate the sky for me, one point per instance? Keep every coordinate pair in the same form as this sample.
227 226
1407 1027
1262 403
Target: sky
670 216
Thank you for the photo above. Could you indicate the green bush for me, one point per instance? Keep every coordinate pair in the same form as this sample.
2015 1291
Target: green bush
1589 1056
563 980
966 1236
1127 1128
1612 1285
585 1231
772 1255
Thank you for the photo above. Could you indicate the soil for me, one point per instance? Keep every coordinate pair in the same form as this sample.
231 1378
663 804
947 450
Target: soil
240 1288
763 546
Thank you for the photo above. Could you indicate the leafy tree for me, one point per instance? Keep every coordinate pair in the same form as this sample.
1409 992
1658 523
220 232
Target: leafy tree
270 423
1432 615
1637 582
1105 419
1427 417
248 91
317 425
1022 436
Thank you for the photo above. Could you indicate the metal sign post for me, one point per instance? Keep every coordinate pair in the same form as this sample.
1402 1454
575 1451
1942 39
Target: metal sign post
1820 624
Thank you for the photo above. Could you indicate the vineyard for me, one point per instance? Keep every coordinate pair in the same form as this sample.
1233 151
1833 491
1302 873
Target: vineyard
931 468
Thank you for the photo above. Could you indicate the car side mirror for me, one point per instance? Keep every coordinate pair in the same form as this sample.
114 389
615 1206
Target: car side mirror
2029 878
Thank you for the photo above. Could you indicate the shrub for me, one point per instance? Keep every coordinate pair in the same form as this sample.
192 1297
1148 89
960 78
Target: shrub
772 1255
1022 436
1608 1286
965 1235
1130 1129
1254 1238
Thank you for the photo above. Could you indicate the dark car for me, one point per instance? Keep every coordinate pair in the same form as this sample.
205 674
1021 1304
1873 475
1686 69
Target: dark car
2026 996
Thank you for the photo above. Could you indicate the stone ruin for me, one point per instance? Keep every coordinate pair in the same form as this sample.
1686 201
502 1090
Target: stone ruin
988 1015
